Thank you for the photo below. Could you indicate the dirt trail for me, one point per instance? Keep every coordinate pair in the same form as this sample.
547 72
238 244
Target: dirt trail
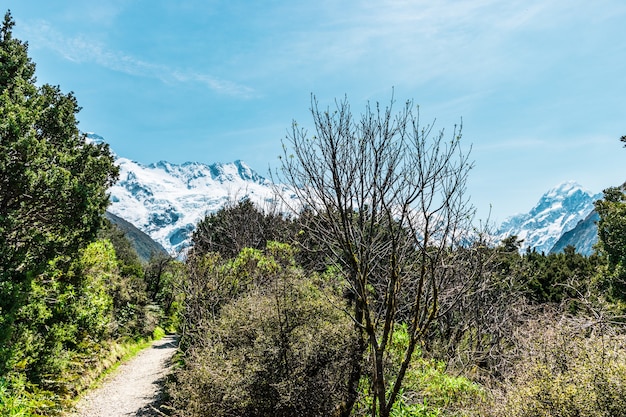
134 388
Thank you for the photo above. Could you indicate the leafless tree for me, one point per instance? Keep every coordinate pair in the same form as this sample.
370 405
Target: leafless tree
389 204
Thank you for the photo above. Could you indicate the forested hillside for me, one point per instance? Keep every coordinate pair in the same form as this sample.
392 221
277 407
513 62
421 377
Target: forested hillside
145 247
377 296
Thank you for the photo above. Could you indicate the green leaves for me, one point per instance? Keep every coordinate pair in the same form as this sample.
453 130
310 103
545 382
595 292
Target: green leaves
612 225
53 189
276 345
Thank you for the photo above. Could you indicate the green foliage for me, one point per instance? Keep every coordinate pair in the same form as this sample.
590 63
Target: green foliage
612 242
213 282
99 268
428 389
557 277
53 186
18 401
238 226
69 312
163 277
128 259
276 345
158 333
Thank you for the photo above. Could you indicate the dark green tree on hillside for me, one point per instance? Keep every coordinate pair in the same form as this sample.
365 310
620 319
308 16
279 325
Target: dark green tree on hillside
237 226
53 194
612 239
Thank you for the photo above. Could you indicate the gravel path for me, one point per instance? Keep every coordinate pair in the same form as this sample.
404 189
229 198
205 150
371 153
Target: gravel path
134 388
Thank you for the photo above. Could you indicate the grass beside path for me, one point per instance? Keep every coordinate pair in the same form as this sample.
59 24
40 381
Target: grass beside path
20 399
132 386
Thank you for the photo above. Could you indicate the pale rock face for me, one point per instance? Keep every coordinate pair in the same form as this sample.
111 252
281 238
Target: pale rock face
558 211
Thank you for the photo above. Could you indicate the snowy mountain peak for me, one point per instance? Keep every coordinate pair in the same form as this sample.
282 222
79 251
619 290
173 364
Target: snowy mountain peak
93 138
556 212
566 190
167 200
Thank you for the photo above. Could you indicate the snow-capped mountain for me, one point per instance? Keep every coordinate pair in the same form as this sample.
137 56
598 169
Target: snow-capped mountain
166 201
559 210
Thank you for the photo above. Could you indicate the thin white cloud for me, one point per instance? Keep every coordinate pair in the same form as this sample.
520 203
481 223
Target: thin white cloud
102 13
213 83
82 50
414 42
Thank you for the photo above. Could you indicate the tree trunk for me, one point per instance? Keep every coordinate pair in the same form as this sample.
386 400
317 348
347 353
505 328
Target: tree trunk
379 384
356 366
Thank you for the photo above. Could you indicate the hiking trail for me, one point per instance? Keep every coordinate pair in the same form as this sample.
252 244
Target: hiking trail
134 388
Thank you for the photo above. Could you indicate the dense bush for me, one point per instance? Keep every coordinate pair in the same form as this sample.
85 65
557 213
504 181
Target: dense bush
237 226
612 243
275 346
568 369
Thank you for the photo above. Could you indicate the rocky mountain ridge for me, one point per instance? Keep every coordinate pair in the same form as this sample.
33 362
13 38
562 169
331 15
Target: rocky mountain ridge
166 201
558 211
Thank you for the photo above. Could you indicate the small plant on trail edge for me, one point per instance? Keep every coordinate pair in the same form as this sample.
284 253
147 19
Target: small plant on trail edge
158 333
18 401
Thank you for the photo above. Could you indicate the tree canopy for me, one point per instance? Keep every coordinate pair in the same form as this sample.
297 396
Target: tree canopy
53 183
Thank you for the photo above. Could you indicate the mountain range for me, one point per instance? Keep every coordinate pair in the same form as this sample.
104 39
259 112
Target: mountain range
166 201
559 211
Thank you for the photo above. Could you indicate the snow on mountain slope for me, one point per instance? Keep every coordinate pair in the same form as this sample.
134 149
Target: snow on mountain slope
558 211
166 201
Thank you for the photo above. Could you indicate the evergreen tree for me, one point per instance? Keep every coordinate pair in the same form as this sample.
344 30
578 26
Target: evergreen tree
238 226
612 240
53 194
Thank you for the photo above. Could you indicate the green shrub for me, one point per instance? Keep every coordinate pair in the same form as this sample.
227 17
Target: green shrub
158 333
20 399
276 349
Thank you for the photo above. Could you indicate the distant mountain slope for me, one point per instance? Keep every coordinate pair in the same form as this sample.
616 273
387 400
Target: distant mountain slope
143 244
559 210
583 236
166 200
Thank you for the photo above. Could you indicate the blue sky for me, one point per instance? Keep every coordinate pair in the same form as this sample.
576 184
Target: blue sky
540 85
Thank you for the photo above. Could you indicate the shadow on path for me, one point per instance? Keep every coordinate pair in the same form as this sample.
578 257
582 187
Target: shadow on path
156 407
